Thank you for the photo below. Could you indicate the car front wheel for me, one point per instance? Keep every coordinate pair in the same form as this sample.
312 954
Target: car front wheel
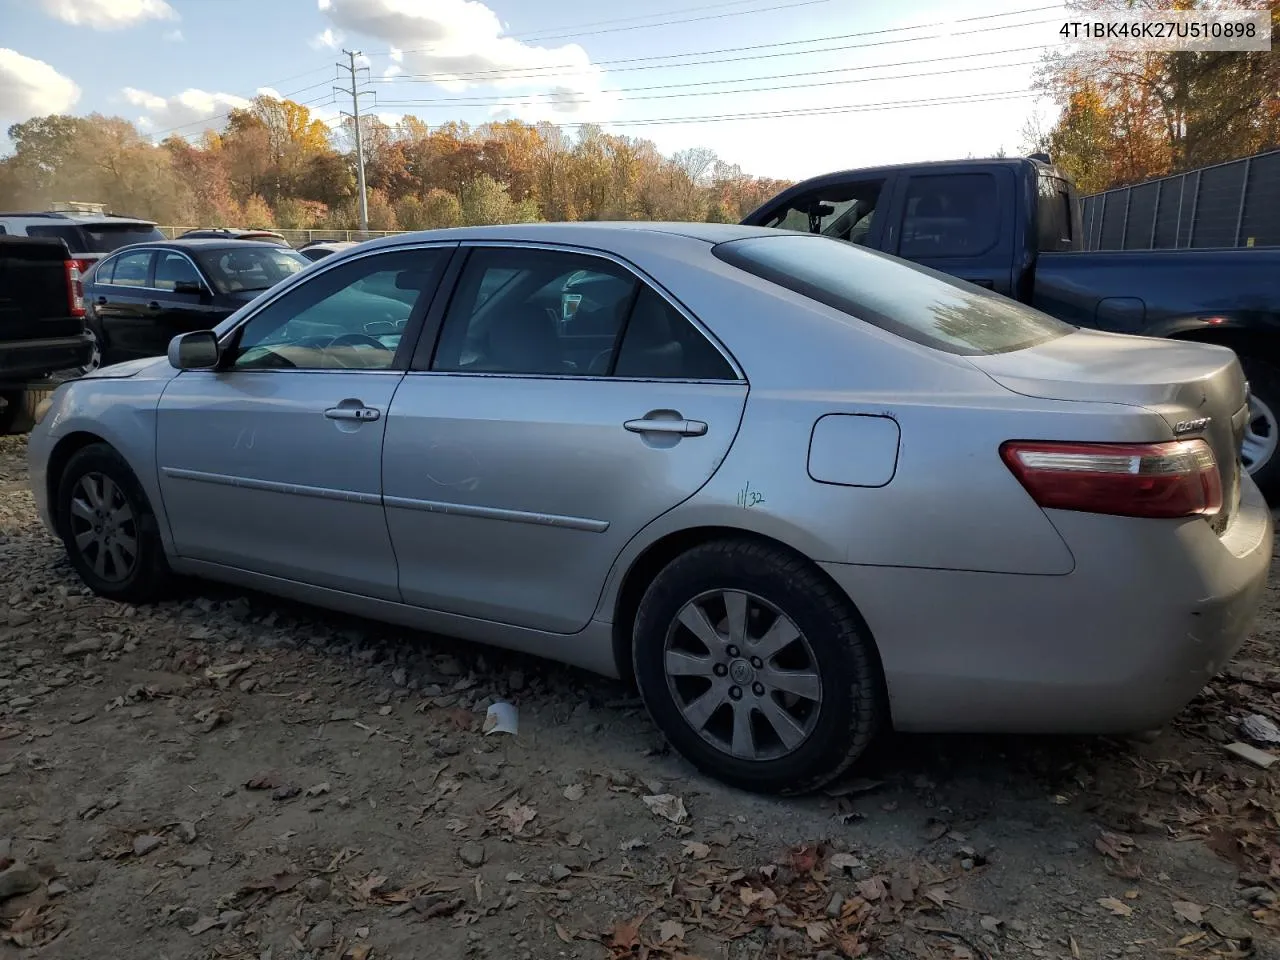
1260 449
108 528
756 668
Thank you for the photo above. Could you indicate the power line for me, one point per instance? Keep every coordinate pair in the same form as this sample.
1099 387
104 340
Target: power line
645 16
518 73
710 93
760 78
316 101
958 100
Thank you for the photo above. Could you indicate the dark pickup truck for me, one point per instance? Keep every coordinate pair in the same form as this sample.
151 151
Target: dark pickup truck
41 325
1013 226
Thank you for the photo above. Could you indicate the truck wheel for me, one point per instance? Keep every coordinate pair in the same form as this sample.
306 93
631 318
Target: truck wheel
18 415
1259 452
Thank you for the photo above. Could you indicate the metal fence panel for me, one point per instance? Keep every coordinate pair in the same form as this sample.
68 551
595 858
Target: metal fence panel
1224 205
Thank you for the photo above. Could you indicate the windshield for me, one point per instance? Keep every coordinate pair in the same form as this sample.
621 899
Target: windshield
908 300
247 268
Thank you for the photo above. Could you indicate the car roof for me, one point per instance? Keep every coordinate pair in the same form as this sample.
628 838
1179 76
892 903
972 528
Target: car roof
82 219
601 233
202 243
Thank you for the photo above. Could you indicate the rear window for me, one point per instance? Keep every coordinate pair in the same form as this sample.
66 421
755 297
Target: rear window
910 301
98 237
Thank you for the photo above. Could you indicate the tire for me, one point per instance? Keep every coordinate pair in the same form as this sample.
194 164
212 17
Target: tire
1262 434
95 358
145 576
829 732
18 415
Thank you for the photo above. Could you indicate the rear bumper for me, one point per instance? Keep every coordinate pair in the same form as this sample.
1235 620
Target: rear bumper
1152 610
27 359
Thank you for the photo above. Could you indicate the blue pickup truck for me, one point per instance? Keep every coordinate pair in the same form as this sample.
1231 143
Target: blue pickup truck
1013 226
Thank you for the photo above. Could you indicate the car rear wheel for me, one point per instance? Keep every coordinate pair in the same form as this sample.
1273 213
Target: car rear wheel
108 528
756 668
95 354
1260 450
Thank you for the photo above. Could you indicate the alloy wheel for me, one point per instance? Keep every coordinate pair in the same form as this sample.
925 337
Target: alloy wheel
104 528
1260 436
742 675
95 355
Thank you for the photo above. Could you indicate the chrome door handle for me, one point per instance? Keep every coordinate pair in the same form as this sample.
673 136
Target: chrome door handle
679 428
154 305
363 414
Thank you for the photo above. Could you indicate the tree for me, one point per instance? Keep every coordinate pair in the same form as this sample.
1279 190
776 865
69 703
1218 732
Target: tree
257 214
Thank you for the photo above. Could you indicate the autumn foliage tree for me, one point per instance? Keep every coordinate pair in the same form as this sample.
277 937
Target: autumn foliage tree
1127 116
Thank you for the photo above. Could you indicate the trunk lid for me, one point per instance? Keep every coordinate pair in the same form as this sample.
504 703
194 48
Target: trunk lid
1198 389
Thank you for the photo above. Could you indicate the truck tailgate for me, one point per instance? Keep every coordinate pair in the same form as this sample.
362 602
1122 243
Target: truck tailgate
33 290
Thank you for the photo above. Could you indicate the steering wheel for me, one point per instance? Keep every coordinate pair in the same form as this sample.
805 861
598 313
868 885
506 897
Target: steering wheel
352 339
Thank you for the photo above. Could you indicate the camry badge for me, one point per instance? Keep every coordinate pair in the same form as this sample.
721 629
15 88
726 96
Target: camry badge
1190 426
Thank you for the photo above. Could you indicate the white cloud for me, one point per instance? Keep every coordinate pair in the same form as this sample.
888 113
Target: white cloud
326 39
461 43
174 36
108 14
184 111
32 88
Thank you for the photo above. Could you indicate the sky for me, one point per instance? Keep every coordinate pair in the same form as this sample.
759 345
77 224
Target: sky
784 88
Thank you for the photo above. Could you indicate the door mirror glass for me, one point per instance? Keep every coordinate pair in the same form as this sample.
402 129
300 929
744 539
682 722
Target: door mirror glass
197 350
188 286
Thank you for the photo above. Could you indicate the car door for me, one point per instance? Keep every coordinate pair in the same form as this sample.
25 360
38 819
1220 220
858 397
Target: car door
272 462
185 299
957 223
518 462
121 293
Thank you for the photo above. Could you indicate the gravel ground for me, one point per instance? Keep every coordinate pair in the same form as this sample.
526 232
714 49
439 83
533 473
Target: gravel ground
228 775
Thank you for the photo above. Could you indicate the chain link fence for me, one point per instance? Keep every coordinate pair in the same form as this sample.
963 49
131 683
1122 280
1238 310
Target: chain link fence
298 238
1233 204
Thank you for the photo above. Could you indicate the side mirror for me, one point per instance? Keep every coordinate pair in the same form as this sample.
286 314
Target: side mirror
189 286
197 350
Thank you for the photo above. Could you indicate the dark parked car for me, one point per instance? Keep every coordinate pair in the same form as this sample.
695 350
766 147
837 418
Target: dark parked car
140 297
235 233
1013 226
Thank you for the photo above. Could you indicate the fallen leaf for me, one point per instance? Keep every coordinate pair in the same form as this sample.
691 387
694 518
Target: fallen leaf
667 806
804 860
265 781
202 925
1188 911
1117 907
818 930
669 930
990 924
563 934
765 897
635 843
360 951
574 792
845 861
697 851
516 815
318 789
1075 948
626 934
872 889
1113 845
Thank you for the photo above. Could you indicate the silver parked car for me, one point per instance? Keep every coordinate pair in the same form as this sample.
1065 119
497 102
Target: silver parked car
799 490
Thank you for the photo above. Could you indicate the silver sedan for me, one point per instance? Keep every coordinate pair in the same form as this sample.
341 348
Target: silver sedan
797 490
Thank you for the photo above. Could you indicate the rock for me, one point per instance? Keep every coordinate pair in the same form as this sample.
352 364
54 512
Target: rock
345 713
184 917
6 769
1260 729
400 676
515 681
472 854
382 697
316 889
187 831
320 935
57 889
87 645
560 872
19 879
145 844
835 904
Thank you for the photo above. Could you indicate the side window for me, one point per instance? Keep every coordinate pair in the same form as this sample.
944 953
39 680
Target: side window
103 270
950 215
172 268
843 212
3 231
349 317
530 311
131 269
1054 214
659 343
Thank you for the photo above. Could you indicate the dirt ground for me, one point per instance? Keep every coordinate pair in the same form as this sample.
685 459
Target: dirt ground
234 776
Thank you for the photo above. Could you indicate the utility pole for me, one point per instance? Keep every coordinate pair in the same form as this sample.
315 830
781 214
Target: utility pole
355 95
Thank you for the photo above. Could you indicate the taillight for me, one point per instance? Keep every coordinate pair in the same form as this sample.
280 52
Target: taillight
1175 479
75 288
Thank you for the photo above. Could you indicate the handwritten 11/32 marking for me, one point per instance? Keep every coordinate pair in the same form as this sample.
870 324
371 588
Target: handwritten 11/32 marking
748 497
